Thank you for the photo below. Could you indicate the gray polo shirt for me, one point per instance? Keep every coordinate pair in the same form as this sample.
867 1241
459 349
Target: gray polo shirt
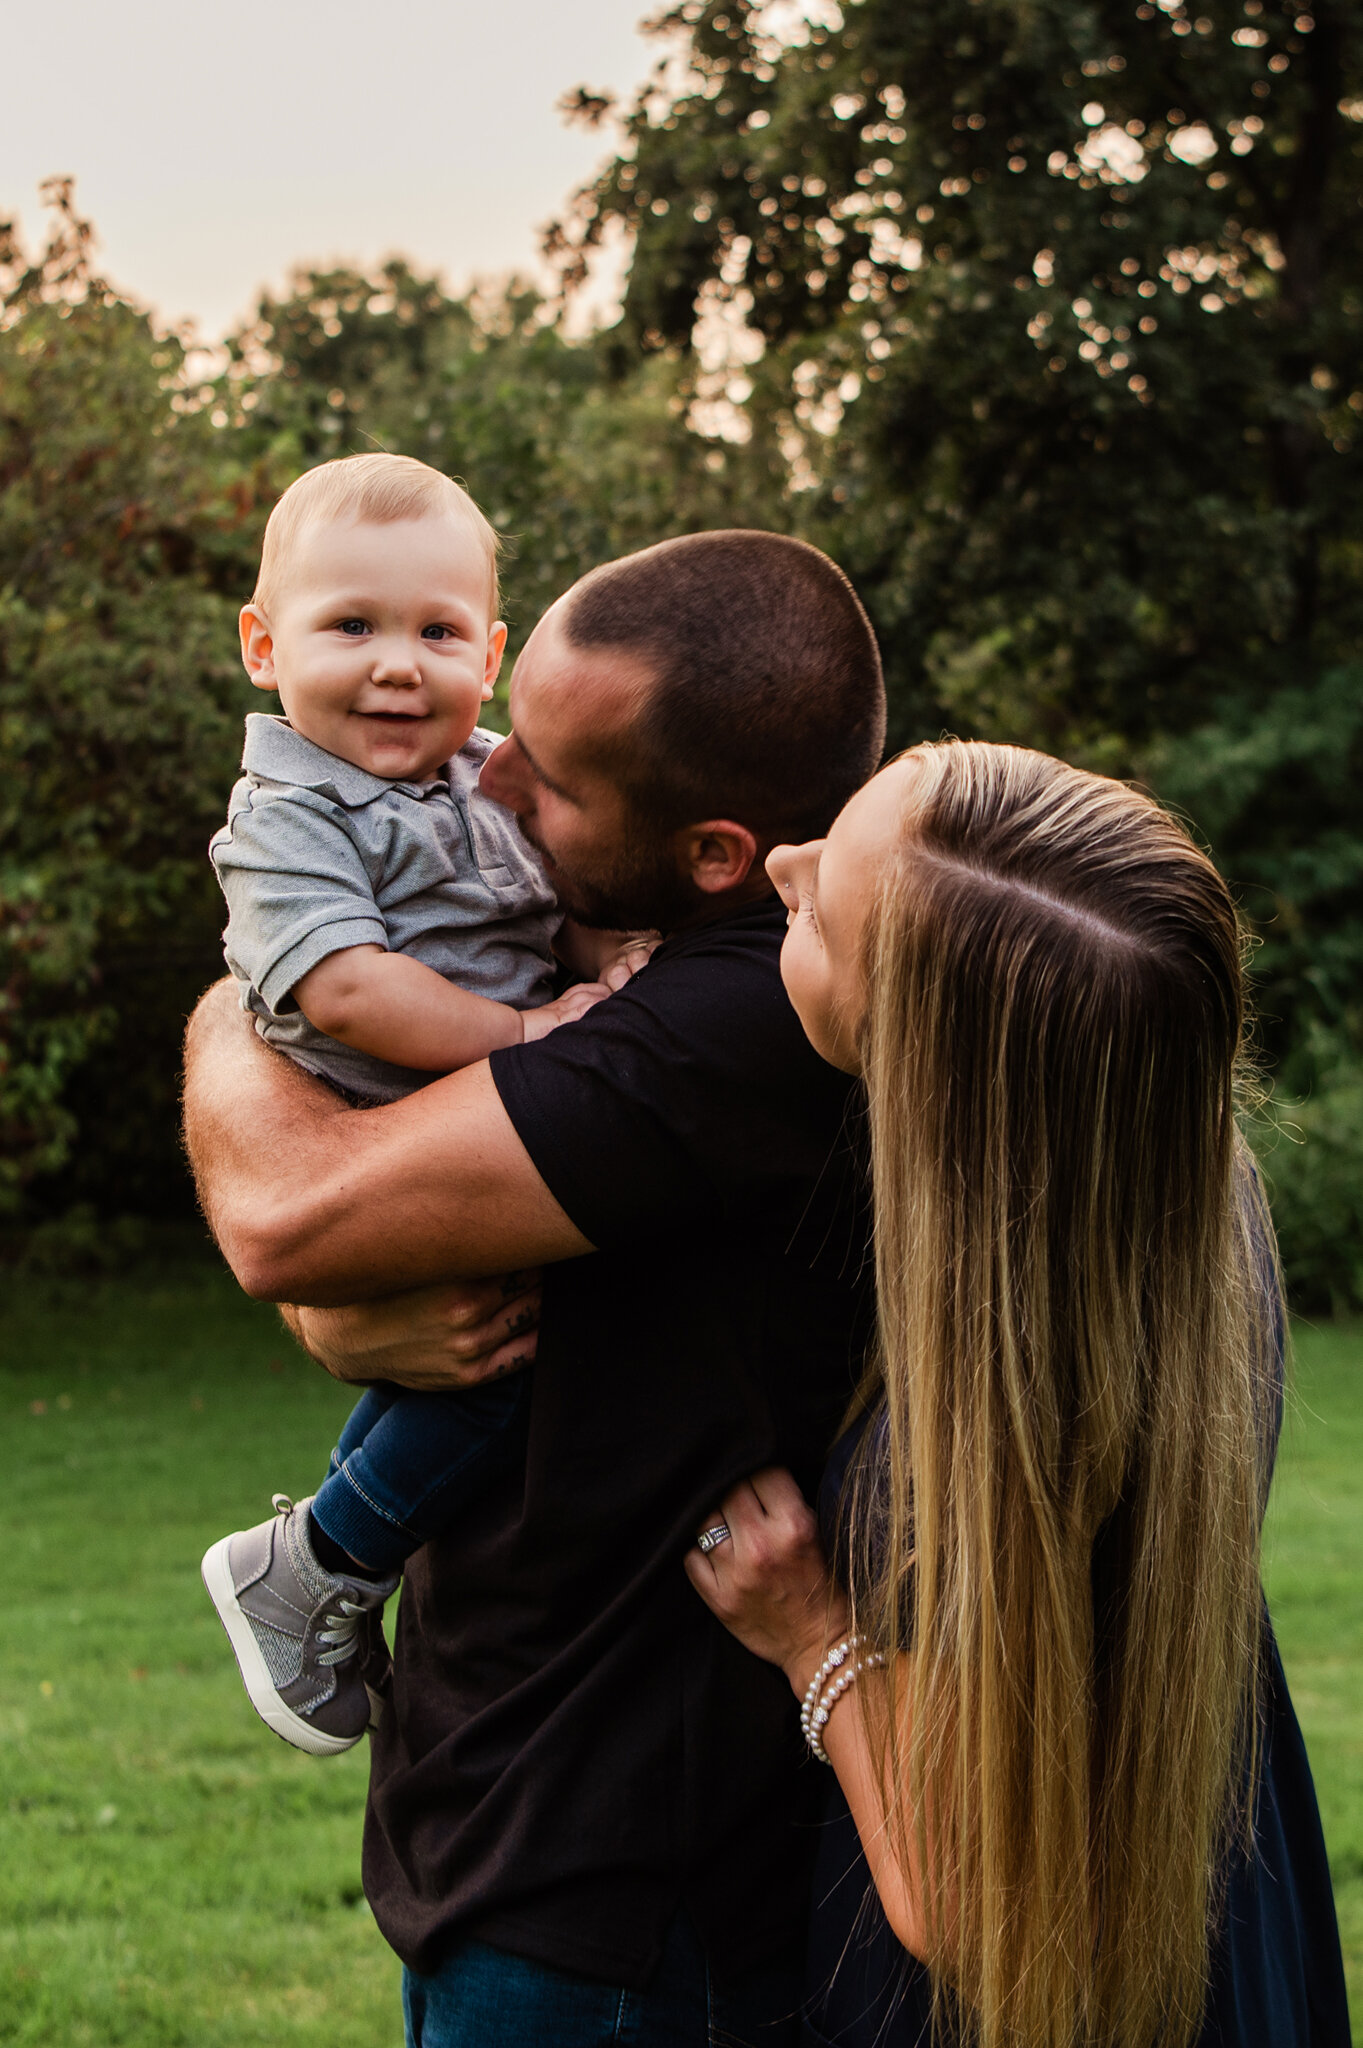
318 855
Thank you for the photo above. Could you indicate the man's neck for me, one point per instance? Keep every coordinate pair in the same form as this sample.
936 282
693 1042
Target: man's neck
755 888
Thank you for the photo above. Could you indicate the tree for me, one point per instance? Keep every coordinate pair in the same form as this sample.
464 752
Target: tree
133 505
1078 285
571 468
121 533
1060 317
1053 313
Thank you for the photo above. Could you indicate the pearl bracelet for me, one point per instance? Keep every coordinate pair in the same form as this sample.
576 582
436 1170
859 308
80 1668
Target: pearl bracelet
814 1719
838 1655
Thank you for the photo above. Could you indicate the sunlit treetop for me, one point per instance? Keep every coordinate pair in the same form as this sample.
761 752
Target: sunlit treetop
827 158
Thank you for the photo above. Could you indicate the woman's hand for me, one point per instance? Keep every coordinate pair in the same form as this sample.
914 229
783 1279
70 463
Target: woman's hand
768 1582
434 1339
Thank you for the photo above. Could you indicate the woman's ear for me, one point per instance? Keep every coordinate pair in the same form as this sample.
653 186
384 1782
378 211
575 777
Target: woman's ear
257 647
717 855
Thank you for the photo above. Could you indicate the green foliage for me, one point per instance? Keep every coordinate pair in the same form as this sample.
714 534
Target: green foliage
1274 786
1311 1149
1044 321
131 520
1053 313
1095 453
120 537
570 469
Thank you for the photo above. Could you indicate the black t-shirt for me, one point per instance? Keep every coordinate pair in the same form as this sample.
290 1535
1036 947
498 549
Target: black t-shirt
575 1746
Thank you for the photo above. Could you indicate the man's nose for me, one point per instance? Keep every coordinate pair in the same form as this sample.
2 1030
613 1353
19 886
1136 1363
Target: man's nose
498 778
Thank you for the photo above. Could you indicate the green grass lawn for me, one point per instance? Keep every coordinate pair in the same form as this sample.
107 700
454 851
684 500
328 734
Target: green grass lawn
171 1874
1314 1545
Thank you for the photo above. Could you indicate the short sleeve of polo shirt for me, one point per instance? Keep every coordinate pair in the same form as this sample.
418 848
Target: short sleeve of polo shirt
690 1093
297 889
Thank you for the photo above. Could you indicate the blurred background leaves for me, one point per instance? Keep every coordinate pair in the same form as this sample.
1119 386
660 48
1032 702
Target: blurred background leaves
1043 319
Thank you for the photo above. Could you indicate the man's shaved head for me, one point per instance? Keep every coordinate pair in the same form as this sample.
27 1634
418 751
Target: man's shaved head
768 705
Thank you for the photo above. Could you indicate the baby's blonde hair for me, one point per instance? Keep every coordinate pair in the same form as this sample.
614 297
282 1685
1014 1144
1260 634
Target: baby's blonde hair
383 488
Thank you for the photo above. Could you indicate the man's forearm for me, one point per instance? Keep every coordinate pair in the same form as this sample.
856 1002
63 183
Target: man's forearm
319 1204
240 1101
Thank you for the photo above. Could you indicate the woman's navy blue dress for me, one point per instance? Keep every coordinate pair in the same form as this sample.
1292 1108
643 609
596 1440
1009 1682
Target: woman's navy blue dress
1277 1977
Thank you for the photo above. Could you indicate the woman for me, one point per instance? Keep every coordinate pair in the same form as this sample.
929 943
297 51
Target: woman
1040 1667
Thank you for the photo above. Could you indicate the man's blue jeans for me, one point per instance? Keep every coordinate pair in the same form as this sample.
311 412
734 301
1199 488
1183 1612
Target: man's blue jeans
482 1997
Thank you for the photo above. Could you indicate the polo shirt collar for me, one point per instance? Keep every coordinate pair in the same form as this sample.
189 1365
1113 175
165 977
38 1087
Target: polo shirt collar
274 750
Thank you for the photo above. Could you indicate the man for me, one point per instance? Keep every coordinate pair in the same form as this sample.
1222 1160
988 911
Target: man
586 1803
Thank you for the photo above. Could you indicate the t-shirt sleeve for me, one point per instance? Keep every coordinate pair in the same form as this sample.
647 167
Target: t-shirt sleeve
682 1099
297 890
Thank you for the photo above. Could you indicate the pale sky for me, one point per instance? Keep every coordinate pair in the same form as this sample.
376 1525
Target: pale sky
215 146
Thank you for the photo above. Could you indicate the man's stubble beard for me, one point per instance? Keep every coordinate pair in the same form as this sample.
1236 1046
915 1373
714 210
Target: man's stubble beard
636 888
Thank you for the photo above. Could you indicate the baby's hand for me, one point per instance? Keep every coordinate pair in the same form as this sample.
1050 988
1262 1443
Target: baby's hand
609 957
566 1010
624 963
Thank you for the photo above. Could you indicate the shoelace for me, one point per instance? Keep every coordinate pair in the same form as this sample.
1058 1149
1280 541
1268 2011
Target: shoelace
342 1631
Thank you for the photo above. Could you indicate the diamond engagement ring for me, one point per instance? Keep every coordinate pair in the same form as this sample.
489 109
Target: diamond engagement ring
711 1538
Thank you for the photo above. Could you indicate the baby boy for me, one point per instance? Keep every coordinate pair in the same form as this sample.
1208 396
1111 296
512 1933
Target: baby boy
387 923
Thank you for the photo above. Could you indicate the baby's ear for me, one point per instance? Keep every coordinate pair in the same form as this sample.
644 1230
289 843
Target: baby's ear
496 647
257 647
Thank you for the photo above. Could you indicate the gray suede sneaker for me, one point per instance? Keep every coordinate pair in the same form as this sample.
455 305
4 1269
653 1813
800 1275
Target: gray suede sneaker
304 1638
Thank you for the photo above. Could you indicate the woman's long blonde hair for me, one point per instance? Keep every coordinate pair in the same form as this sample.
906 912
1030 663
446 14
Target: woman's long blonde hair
1065 1542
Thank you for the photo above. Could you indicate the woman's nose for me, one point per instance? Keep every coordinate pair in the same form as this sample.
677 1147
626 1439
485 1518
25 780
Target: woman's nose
783 866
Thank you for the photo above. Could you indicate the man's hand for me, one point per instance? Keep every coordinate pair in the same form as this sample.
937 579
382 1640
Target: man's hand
434 1340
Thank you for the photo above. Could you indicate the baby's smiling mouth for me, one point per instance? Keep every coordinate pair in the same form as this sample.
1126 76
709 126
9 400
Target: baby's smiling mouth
395 717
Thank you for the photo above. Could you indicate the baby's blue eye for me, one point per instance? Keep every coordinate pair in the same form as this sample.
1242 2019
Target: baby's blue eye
437 632
354 627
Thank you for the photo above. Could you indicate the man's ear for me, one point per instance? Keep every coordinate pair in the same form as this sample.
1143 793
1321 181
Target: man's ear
496 648
717 855
257 647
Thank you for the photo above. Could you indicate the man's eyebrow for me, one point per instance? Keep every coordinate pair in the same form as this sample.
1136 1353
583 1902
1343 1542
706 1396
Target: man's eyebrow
539 773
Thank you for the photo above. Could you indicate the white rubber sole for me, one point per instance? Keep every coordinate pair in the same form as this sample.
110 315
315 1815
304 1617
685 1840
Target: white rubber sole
255 1672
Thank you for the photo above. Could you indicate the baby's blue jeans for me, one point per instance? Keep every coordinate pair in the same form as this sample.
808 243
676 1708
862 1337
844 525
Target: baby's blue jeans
408 1464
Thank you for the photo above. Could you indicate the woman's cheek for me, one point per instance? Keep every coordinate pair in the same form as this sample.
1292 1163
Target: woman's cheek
805 981
793 967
